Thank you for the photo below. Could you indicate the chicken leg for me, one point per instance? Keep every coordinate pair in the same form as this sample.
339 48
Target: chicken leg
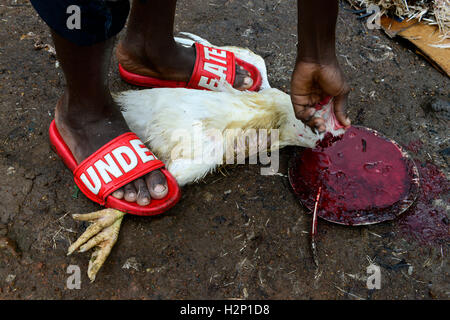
101 235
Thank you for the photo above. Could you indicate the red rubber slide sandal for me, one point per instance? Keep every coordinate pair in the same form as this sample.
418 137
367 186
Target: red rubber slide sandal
117 163
212 65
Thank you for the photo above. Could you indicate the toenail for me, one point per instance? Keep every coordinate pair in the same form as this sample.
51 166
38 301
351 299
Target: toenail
118 194
248 81
159 188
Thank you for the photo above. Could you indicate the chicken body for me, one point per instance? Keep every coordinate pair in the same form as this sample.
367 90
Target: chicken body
192 131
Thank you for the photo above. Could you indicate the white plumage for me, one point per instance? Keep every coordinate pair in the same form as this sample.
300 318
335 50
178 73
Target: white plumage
190 130
182 126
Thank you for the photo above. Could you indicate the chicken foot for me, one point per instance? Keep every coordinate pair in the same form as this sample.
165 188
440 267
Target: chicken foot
101 235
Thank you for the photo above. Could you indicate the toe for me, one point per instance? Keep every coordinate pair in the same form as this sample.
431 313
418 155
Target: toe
157 184
130 193
243 79
143 195
247 84
119 193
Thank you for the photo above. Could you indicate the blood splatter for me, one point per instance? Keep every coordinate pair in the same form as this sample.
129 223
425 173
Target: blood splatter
414 146
426 222
365 178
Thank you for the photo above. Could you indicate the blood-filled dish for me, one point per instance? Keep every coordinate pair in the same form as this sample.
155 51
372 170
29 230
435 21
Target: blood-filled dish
365 178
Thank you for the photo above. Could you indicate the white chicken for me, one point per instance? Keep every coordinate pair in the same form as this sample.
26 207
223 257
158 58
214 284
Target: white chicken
195 131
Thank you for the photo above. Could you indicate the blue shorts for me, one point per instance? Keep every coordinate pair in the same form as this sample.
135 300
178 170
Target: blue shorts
84 22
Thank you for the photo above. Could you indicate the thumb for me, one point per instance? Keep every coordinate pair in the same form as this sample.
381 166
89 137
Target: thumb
340 103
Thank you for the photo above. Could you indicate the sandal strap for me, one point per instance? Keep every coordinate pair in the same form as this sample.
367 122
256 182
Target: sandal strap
120 161
212 66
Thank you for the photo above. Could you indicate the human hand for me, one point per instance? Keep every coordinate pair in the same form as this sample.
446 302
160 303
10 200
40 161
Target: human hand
312 82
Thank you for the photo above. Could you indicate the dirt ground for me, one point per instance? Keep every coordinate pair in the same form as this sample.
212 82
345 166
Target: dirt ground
242 235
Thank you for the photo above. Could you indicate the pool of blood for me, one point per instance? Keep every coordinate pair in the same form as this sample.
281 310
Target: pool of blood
426 222
361 175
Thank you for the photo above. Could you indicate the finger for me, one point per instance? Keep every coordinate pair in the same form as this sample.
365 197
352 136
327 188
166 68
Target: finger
318 124
300 100
316 98
310 99
143 196
304 113
339 109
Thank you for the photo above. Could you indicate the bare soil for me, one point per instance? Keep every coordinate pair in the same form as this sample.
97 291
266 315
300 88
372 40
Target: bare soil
242 235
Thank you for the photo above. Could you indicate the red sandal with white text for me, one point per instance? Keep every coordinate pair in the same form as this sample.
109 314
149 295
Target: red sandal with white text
212 65
114 165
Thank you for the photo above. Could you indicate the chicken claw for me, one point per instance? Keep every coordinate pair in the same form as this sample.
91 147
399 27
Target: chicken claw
101 234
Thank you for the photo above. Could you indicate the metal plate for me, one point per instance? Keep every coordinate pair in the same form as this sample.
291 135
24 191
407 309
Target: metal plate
363 216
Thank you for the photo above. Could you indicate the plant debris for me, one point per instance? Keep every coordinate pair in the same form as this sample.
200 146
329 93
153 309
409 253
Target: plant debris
432 12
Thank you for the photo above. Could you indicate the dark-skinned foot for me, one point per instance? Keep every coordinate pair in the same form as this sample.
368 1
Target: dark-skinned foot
85 132
173 62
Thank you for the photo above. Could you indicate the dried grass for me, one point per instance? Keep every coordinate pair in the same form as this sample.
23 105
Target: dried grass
433 12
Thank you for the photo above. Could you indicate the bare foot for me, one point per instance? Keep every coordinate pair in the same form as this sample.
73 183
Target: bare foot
85 132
